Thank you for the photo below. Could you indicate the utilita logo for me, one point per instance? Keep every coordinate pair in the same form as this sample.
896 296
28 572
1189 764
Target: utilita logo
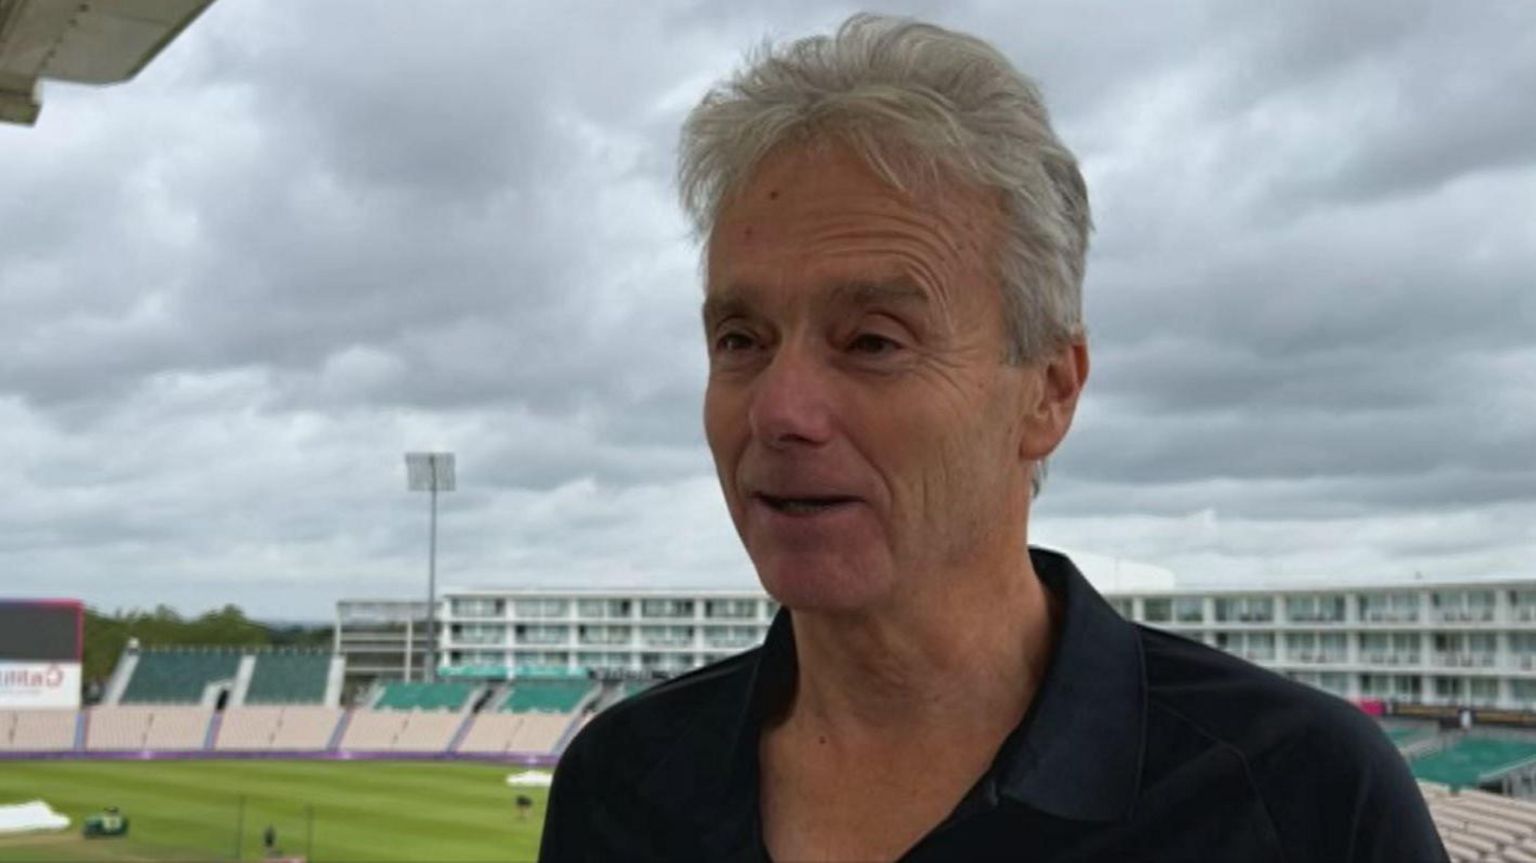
51 677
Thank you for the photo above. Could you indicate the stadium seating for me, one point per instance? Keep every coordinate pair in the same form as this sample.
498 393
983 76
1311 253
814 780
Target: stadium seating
301 728
147 728
37 730
424 696
1478 826
400 731
540 732
178 676
289 677
549 696
1468 761
499 733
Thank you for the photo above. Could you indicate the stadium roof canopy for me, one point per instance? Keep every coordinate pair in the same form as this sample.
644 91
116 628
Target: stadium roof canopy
101 42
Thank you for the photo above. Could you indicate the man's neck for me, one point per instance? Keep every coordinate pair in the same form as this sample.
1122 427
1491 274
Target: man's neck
966 660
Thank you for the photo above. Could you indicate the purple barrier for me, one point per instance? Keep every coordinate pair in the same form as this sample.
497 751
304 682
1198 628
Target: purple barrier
527 759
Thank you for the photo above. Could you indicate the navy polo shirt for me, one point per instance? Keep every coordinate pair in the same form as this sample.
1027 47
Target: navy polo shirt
1138 745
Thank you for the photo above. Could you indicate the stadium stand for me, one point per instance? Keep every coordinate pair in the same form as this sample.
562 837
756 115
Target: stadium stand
1480 827
300 728
498 733
547 696
289 677
400 731
147 728
178 676
37 730
1470 761
424 696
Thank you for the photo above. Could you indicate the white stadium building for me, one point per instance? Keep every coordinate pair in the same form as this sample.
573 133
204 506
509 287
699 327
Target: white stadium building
1457 643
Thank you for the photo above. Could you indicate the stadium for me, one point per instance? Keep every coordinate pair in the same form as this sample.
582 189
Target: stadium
429 731
378 748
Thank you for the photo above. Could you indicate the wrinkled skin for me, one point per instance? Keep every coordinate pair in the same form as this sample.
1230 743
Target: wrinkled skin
857 365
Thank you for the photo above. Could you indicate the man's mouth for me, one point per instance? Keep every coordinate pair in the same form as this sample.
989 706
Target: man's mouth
805 505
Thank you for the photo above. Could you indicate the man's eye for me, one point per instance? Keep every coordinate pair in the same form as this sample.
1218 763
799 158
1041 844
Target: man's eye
870 343
733 341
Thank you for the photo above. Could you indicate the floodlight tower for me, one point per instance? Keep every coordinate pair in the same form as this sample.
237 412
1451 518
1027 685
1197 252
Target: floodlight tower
431 472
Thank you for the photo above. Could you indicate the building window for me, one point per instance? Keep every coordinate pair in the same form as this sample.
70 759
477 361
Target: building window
1188 609
1462 606
537 608
1302 647
477 608
602 609
605 661
1376 686
541 633
1245 609
1448 687
1315 608
730 609
1389 607
666 608
1255 646
1522 604
541 659
1157 610
1335 682
731 637
478 633
666 636
1483 691
1333 646
668 663
603 634
1122 606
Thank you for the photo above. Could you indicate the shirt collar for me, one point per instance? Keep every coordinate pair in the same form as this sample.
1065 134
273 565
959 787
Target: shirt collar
1078 751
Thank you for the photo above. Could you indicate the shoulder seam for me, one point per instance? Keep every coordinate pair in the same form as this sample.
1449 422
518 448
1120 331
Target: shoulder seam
1242 758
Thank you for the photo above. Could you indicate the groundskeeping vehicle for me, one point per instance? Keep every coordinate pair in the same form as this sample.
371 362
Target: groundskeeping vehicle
106 824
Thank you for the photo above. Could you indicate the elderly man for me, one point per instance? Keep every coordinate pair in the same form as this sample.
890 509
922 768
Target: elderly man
895 246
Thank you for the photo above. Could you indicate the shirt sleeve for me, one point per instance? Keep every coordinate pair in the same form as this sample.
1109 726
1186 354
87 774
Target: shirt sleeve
1390 821
563 828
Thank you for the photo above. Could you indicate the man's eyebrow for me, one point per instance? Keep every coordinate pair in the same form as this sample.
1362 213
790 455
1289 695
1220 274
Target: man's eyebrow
732 302
897 292
724 304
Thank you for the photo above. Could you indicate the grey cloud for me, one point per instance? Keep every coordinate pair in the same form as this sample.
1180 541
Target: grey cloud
311 237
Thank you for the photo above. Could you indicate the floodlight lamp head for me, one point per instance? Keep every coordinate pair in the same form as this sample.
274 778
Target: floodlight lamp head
429 471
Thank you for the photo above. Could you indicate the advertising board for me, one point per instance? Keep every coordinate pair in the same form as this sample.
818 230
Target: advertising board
26 685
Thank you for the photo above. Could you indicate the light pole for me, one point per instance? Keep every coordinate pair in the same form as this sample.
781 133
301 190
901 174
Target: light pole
431 472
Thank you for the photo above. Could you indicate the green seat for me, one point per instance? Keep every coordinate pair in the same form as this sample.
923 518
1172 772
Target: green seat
178 676
1466 763
548 696
289 677
424 696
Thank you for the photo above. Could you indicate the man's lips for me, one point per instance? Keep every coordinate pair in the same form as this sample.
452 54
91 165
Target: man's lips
802 505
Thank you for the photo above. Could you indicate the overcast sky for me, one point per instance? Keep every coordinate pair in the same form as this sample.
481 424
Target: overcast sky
312 236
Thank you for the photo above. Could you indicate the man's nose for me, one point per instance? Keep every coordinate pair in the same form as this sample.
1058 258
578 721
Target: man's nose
790 400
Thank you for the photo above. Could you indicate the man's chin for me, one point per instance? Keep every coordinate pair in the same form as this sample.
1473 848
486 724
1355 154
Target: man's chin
813 587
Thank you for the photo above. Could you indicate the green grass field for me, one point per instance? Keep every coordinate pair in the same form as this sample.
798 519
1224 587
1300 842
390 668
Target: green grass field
363 812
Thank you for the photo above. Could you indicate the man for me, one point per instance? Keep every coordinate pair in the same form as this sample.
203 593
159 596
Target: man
895 245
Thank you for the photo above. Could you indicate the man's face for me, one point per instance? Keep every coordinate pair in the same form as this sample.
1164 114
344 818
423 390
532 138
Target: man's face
864 425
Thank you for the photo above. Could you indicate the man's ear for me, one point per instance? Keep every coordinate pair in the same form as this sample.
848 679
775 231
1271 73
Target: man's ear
1053 403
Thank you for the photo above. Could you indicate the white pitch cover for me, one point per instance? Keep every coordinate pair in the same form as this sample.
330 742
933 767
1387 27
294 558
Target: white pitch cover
39 684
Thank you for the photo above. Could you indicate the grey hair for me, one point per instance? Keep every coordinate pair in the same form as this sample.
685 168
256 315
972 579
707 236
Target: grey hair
918 103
